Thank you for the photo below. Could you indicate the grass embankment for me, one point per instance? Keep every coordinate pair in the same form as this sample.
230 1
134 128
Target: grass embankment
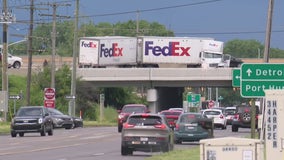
182 154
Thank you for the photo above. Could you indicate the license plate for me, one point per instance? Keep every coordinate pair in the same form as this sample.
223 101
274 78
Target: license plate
144 139
135 142
152 142
190 135
190 127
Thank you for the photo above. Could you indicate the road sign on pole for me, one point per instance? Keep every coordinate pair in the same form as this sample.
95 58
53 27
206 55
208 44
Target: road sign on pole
255 78
193 100
15 97
236 80
49 97
70 97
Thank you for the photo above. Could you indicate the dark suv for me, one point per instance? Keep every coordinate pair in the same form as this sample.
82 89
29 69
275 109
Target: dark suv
242 118
32 119
127 110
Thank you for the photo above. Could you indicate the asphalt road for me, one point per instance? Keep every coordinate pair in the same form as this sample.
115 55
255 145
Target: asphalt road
97 143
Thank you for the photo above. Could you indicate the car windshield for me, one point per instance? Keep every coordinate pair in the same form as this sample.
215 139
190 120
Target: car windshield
133 109
145 121
23 112
189 118
54 111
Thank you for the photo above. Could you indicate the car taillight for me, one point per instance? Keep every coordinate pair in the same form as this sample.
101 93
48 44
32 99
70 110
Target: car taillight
126 125
236 116
161 126
145 115
221 116
177 127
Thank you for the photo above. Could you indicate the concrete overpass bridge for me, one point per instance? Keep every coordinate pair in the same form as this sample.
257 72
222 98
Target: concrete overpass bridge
157 77
166 85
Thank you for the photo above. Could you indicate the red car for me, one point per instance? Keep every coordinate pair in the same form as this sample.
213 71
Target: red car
127 110
172 116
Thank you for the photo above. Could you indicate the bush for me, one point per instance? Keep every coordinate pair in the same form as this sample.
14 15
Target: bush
110 114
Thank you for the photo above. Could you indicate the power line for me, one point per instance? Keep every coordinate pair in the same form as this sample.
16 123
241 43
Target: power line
232 32
151 10
143 10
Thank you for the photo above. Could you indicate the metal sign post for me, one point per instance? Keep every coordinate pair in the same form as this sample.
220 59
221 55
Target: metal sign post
15 97
102 100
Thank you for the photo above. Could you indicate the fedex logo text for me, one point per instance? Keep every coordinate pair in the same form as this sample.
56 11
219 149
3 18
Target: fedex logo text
115 51
89 44
173 49
213 44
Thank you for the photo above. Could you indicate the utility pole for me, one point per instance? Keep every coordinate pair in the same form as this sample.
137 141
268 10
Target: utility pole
137 23
53 38
72 102
30 52
5 18
268 32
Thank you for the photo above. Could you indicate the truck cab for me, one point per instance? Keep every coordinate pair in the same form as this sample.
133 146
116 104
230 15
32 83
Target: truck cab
230 61
211 54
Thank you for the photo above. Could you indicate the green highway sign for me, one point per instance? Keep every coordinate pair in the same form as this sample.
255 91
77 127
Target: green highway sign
255 78
256 89
262 71
193 99
236 80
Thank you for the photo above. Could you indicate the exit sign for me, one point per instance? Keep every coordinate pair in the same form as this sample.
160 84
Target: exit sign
255 78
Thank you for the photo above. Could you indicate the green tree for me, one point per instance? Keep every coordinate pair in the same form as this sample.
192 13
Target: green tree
250 49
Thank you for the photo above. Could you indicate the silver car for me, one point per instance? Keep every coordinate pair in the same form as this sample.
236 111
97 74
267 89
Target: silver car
146 132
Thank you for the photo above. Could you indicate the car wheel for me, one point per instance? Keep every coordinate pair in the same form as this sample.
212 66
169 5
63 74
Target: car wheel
235 128
224 127
166 148
42 133
245 117
69 127
124 151
17 65
21 134
177 141
50 132
119 128
13 134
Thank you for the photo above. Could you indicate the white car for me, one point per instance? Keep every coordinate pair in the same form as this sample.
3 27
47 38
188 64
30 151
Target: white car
230 114
219 118
13 61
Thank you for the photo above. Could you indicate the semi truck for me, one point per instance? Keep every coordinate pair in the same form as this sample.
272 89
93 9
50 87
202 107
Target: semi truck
192 52
151 51
107 51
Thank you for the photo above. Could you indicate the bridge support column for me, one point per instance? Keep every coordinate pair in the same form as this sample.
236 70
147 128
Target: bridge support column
152 98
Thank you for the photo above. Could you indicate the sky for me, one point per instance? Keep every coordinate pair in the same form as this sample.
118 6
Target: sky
224 20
